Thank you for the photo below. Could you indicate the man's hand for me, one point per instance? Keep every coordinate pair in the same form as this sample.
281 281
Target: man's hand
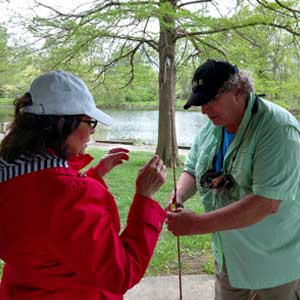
250 210
182 221
173 203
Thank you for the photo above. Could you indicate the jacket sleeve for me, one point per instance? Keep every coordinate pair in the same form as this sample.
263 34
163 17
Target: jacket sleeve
85 235
92 174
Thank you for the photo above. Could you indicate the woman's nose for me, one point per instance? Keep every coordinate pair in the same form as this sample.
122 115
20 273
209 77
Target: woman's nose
92 130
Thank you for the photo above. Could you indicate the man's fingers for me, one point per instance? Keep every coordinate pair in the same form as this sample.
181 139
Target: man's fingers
172 214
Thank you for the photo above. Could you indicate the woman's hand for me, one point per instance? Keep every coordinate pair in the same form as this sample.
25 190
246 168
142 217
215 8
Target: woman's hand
151 177
114 157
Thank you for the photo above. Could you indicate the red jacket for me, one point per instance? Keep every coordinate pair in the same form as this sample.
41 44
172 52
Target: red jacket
59 234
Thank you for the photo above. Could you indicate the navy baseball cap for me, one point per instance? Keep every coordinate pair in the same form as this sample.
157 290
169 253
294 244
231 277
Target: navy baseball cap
207 81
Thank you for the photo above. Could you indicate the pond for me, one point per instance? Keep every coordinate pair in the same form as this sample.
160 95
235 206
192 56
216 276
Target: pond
141 126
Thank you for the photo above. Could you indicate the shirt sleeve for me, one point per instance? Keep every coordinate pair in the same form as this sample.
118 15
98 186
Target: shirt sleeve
85 236
276 173
192 156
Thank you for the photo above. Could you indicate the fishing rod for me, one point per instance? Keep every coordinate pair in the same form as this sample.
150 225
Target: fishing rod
173 205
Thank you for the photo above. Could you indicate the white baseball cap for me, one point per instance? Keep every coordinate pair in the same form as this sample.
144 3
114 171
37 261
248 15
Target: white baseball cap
62 93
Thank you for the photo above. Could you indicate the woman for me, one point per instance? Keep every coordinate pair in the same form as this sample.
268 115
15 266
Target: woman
59 230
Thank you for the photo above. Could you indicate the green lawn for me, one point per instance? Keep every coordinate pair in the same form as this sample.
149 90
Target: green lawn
6 101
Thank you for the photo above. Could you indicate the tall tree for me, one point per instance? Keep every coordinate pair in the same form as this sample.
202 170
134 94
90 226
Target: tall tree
156 26
15 66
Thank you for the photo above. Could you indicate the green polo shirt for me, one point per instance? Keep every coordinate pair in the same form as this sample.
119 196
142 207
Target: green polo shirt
267 163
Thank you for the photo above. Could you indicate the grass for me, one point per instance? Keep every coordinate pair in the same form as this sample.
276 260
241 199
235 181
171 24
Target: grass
196 257
6 101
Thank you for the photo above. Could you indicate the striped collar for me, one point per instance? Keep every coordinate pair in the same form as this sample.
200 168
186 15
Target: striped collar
29 164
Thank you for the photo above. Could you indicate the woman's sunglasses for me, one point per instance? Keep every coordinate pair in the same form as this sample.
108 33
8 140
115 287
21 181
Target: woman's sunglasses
92 123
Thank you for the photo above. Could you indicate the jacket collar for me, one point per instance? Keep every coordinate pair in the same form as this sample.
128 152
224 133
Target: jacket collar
76 162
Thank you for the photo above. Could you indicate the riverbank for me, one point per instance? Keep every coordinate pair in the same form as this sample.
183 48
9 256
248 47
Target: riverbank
131 147
7 104
106 145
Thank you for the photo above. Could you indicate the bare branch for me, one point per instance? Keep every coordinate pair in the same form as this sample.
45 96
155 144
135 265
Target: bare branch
265 5
193 2
152 61
111 63
212 47
183 53
183 33
294 11
132 65
97 8
217 8
248 39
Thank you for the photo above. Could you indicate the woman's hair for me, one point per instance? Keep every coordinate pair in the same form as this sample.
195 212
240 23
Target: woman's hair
30 134
241 80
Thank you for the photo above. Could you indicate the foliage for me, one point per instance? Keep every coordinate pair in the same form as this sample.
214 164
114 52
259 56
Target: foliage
271 56
116 47
143 89
16 67
8 101
109 51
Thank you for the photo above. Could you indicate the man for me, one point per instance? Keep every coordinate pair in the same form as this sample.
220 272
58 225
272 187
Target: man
245 163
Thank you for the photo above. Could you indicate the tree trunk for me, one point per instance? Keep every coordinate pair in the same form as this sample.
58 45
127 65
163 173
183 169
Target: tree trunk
166 147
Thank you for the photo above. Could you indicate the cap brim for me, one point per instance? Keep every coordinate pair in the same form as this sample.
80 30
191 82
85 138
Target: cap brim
101 117
196 99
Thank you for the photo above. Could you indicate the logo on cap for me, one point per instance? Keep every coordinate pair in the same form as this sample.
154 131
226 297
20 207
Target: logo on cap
197 82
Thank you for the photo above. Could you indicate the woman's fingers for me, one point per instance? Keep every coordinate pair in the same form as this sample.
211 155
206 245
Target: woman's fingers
115 150
151 177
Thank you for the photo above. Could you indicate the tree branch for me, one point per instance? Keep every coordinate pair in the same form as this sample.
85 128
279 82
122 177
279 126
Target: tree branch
132 65
96 9
183 33
294 11
193 2
265 5
246 38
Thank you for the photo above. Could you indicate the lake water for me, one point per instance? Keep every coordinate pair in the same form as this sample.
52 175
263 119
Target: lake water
142 126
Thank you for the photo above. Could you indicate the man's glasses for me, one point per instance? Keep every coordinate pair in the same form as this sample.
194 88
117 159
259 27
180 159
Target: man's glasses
92 123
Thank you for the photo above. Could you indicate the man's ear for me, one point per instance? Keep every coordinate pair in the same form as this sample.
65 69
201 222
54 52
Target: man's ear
238 92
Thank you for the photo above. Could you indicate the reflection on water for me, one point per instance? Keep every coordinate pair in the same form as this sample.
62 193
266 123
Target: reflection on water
142 126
